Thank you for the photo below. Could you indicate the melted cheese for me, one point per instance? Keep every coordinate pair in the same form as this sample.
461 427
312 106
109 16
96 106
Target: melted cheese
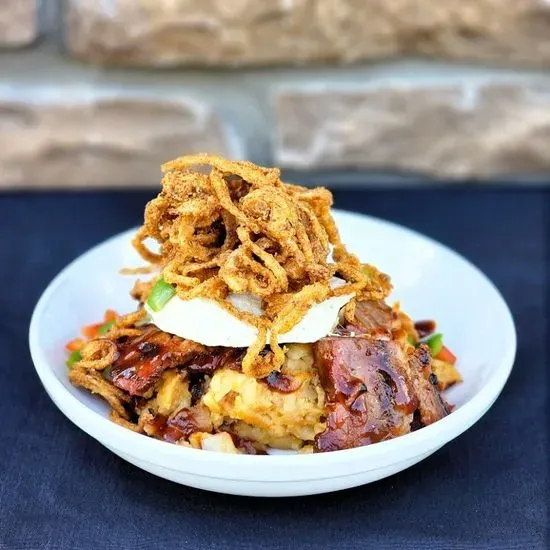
206 322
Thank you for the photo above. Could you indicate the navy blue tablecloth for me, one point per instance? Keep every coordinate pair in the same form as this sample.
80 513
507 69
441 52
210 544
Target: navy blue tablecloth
60 489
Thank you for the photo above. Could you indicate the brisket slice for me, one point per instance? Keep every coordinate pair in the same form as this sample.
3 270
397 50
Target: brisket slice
432 406
373 390
372 317
142 359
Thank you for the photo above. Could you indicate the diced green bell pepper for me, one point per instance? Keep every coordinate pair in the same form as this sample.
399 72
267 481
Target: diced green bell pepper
73 358
435 343
105 328
161 294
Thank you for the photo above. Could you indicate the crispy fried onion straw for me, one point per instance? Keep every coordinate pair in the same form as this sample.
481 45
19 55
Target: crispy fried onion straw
93 381
233 227
99 354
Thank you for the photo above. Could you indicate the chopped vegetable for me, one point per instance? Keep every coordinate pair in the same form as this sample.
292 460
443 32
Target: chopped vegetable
73 358
160 295
435 343
446 355
412 341
110 315
75 345
105 327
91 331
100 329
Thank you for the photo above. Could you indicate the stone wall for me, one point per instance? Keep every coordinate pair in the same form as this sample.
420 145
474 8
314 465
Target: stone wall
18 22
90 141
446 130
258 32
101 93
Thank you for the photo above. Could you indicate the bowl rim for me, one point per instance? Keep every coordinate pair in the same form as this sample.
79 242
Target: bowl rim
420 441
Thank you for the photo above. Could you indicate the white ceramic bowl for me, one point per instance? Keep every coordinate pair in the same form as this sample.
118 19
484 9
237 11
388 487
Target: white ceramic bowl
431 281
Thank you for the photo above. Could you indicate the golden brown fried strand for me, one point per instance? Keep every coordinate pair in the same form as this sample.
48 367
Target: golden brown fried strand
122 421
93 381
292 313
126 325
144 252
130 320
253 363
142 270
228 226
97 354
298 305
248 171
141 290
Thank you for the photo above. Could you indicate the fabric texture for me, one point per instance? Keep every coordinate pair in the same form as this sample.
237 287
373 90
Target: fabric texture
60 489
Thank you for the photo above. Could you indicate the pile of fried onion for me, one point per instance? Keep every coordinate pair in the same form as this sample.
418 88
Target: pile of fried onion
227 226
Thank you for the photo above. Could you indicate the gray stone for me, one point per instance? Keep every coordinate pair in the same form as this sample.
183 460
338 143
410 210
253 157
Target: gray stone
18 22
260 32
101 141
473 130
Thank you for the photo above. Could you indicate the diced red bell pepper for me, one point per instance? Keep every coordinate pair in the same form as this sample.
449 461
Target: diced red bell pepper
446 355
110 315
91 331
96 329
75 345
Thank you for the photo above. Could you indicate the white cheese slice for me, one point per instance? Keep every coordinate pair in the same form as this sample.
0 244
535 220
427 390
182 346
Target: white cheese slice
206 322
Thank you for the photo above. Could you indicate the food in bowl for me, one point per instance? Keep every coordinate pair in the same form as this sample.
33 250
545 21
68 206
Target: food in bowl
256 328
